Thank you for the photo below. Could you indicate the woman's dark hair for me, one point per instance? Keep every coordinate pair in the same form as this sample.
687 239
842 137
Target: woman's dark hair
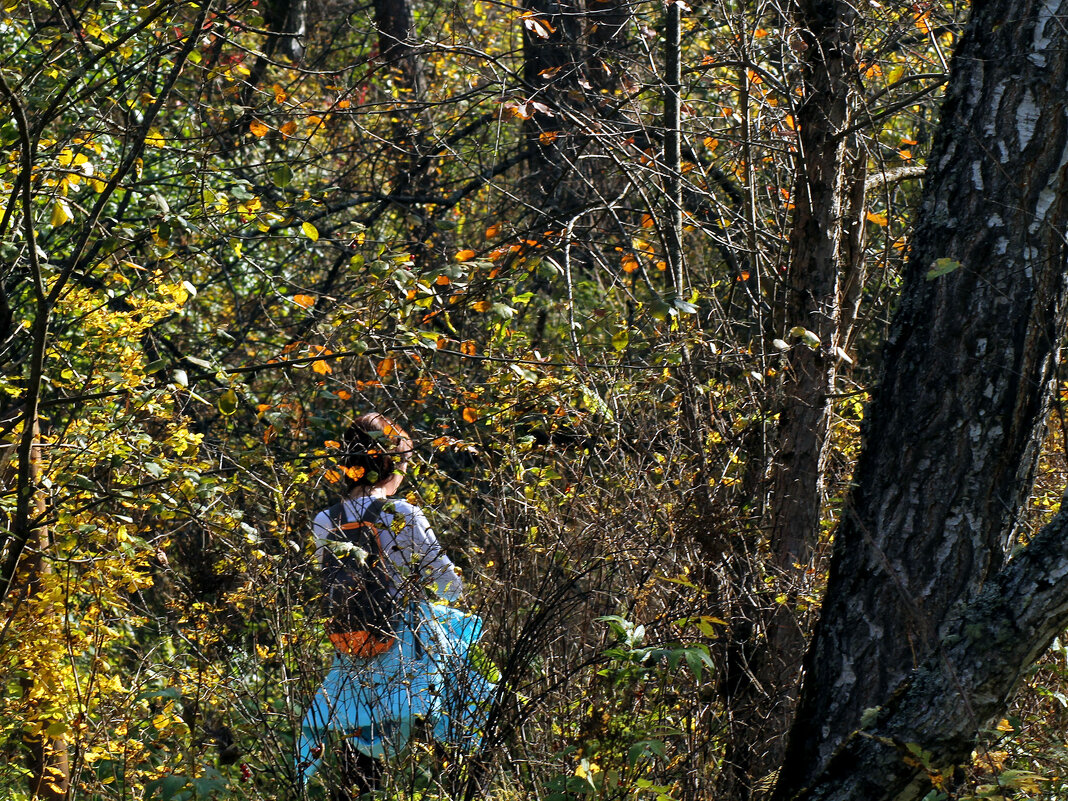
374 448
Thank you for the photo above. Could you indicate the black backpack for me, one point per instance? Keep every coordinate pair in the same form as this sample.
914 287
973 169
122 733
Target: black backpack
360 592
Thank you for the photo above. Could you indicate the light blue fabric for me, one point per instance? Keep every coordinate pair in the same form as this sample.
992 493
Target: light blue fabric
374 702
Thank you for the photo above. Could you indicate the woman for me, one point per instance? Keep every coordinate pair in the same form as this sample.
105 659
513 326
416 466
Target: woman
382 682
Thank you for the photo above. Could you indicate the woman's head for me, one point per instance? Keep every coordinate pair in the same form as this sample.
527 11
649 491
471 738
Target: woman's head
374 449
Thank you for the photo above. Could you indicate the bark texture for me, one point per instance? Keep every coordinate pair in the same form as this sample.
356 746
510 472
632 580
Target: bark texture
951 446
818 247
929 725
823 253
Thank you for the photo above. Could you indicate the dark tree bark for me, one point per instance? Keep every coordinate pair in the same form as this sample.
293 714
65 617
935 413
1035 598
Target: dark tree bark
929 724
824 251
819 248
396 31
553 58
952 441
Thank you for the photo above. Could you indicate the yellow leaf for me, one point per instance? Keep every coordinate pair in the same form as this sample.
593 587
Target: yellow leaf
310 231
288 129
228 402
470 415
258 128
465 255
321 367
385 367
304 301
481 306
154 139
61 213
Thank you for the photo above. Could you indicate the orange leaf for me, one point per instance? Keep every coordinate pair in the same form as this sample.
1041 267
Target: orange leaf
279 94
332 443
470 415
258 128
304 301
385 367
539 27
481 306
648 221
321 367
711 143
760 33
332 476
468 348
344 394
464 255
548 137
288 129
442 280
878 219
493 230
630 263
355 473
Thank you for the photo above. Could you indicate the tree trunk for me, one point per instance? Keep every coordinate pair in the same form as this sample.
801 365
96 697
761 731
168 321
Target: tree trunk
953 432
930 723
764 688
46 756
552 59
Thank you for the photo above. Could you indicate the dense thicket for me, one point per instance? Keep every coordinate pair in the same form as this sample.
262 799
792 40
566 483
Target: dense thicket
626 271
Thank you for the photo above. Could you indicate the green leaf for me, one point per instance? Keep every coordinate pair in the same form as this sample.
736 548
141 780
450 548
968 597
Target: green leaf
310 231
228 402
940 267
282 175
806 336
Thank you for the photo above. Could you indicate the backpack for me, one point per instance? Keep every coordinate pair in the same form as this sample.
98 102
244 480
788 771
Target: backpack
360 593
